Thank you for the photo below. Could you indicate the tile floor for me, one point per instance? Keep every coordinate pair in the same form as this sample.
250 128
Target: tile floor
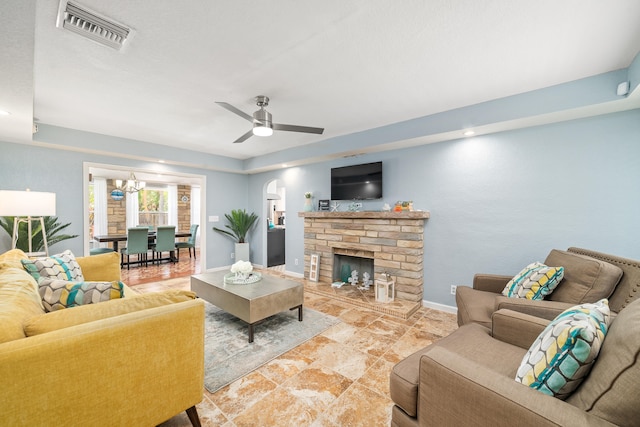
338 378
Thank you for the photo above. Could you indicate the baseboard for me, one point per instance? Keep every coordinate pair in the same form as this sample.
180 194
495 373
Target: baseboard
441 307
294 274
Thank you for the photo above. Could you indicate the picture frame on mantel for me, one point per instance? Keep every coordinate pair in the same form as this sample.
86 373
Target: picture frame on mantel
323 205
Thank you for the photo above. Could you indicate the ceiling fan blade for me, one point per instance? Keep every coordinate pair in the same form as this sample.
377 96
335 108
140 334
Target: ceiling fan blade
235 111
294 128
244 137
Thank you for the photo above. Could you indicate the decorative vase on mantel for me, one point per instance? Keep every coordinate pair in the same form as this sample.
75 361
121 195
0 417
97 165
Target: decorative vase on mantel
308 206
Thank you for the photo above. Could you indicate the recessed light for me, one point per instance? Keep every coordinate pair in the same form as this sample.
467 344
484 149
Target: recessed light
469 133
4 113
160 161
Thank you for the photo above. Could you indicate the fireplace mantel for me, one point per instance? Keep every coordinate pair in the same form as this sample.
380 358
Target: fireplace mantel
368 214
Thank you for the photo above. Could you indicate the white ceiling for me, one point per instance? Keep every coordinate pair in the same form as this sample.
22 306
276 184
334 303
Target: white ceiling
346 66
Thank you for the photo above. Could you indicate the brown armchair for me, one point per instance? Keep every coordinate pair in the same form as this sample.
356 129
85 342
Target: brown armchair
468 379
589 276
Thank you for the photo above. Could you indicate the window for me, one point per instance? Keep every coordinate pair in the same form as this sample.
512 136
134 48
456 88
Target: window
153 206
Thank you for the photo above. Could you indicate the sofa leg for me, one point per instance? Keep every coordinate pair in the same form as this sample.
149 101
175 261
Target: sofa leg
193 416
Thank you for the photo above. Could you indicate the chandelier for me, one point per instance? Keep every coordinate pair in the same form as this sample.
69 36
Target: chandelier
132 185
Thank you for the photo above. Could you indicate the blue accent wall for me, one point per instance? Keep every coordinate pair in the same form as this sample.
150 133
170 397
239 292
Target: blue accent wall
499 201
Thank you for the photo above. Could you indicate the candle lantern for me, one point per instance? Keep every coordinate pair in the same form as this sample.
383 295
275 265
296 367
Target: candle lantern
385 288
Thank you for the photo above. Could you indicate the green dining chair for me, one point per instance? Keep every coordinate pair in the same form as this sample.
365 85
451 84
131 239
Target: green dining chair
165 242
137 244
190 243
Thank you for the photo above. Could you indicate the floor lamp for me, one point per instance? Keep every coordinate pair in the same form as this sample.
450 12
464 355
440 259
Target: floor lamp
27 206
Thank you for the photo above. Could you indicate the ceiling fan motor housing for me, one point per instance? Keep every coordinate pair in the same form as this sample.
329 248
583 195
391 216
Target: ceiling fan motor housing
262 117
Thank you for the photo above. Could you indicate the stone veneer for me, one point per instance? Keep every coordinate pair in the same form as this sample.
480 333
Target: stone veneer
394 240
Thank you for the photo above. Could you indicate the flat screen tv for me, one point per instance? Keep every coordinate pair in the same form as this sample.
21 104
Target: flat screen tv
357 182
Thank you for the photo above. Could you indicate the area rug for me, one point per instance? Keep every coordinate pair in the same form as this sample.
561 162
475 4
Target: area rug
228 355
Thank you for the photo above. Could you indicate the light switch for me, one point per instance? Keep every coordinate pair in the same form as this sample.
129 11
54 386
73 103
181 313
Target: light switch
214 218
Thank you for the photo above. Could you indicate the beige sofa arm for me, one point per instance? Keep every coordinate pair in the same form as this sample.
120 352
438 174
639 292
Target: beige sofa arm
139 368
490 282
538 308
457 391
516 328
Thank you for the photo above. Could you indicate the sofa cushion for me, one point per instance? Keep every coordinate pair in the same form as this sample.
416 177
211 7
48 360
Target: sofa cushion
103 267
563 354
58 294
65 318
61 266
465 341
19 301
607 392
586 279
534 282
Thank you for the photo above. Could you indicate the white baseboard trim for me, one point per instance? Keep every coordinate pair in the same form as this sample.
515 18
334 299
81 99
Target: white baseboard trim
294 274
441 307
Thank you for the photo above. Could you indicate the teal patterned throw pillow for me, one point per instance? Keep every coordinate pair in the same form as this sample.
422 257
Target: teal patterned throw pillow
58 294
563 354
534 282
61 266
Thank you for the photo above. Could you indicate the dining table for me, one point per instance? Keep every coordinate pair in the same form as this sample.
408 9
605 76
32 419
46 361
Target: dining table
116 238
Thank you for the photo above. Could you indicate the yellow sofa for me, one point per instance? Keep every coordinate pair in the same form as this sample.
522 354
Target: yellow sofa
135 361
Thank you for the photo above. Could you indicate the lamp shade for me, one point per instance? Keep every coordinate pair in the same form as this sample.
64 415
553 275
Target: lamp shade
27 203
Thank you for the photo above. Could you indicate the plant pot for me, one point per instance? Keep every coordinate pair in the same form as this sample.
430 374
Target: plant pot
242 252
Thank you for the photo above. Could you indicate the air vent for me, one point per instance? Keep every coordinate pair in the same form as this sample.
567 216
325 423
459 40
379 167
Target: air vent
87 23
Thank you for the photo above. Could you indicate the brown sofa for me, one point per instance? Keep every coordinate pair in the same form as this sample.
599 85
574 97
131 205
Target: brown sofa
588 277
468 379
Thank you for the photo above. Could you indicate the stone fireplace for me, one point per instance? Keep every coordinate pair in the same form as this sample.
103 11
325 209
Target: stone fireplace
391 242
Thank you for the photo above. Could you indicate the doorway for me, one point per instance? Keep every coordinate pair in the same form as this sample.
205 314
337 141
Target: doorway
275 224
192 193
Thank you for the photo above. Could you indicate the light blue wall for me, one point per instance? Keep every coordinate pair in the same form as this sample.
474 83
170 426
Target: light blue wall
501 201
61 172
497 202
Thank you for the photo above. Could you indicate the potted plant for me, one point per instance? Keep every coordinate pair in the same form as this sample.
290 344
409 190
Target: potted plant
240 223
52 230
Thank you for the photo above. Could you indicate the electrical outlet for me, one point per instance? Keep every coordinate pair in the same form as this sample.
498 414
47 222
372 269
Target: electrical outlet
232 255
296 261
453 289
358 205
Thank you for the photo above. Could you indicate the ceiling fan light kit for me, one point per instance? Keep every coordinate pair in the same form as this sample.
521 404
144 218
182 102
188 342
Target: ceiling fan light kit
262 123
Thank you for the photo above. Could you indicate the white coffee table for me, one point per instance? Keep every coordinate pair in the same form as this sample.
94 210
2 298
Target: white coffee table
251 303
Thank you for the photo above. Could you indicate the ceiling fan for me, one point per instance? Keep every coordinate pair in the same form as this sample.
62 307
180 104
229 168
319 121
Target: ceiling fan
261 119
